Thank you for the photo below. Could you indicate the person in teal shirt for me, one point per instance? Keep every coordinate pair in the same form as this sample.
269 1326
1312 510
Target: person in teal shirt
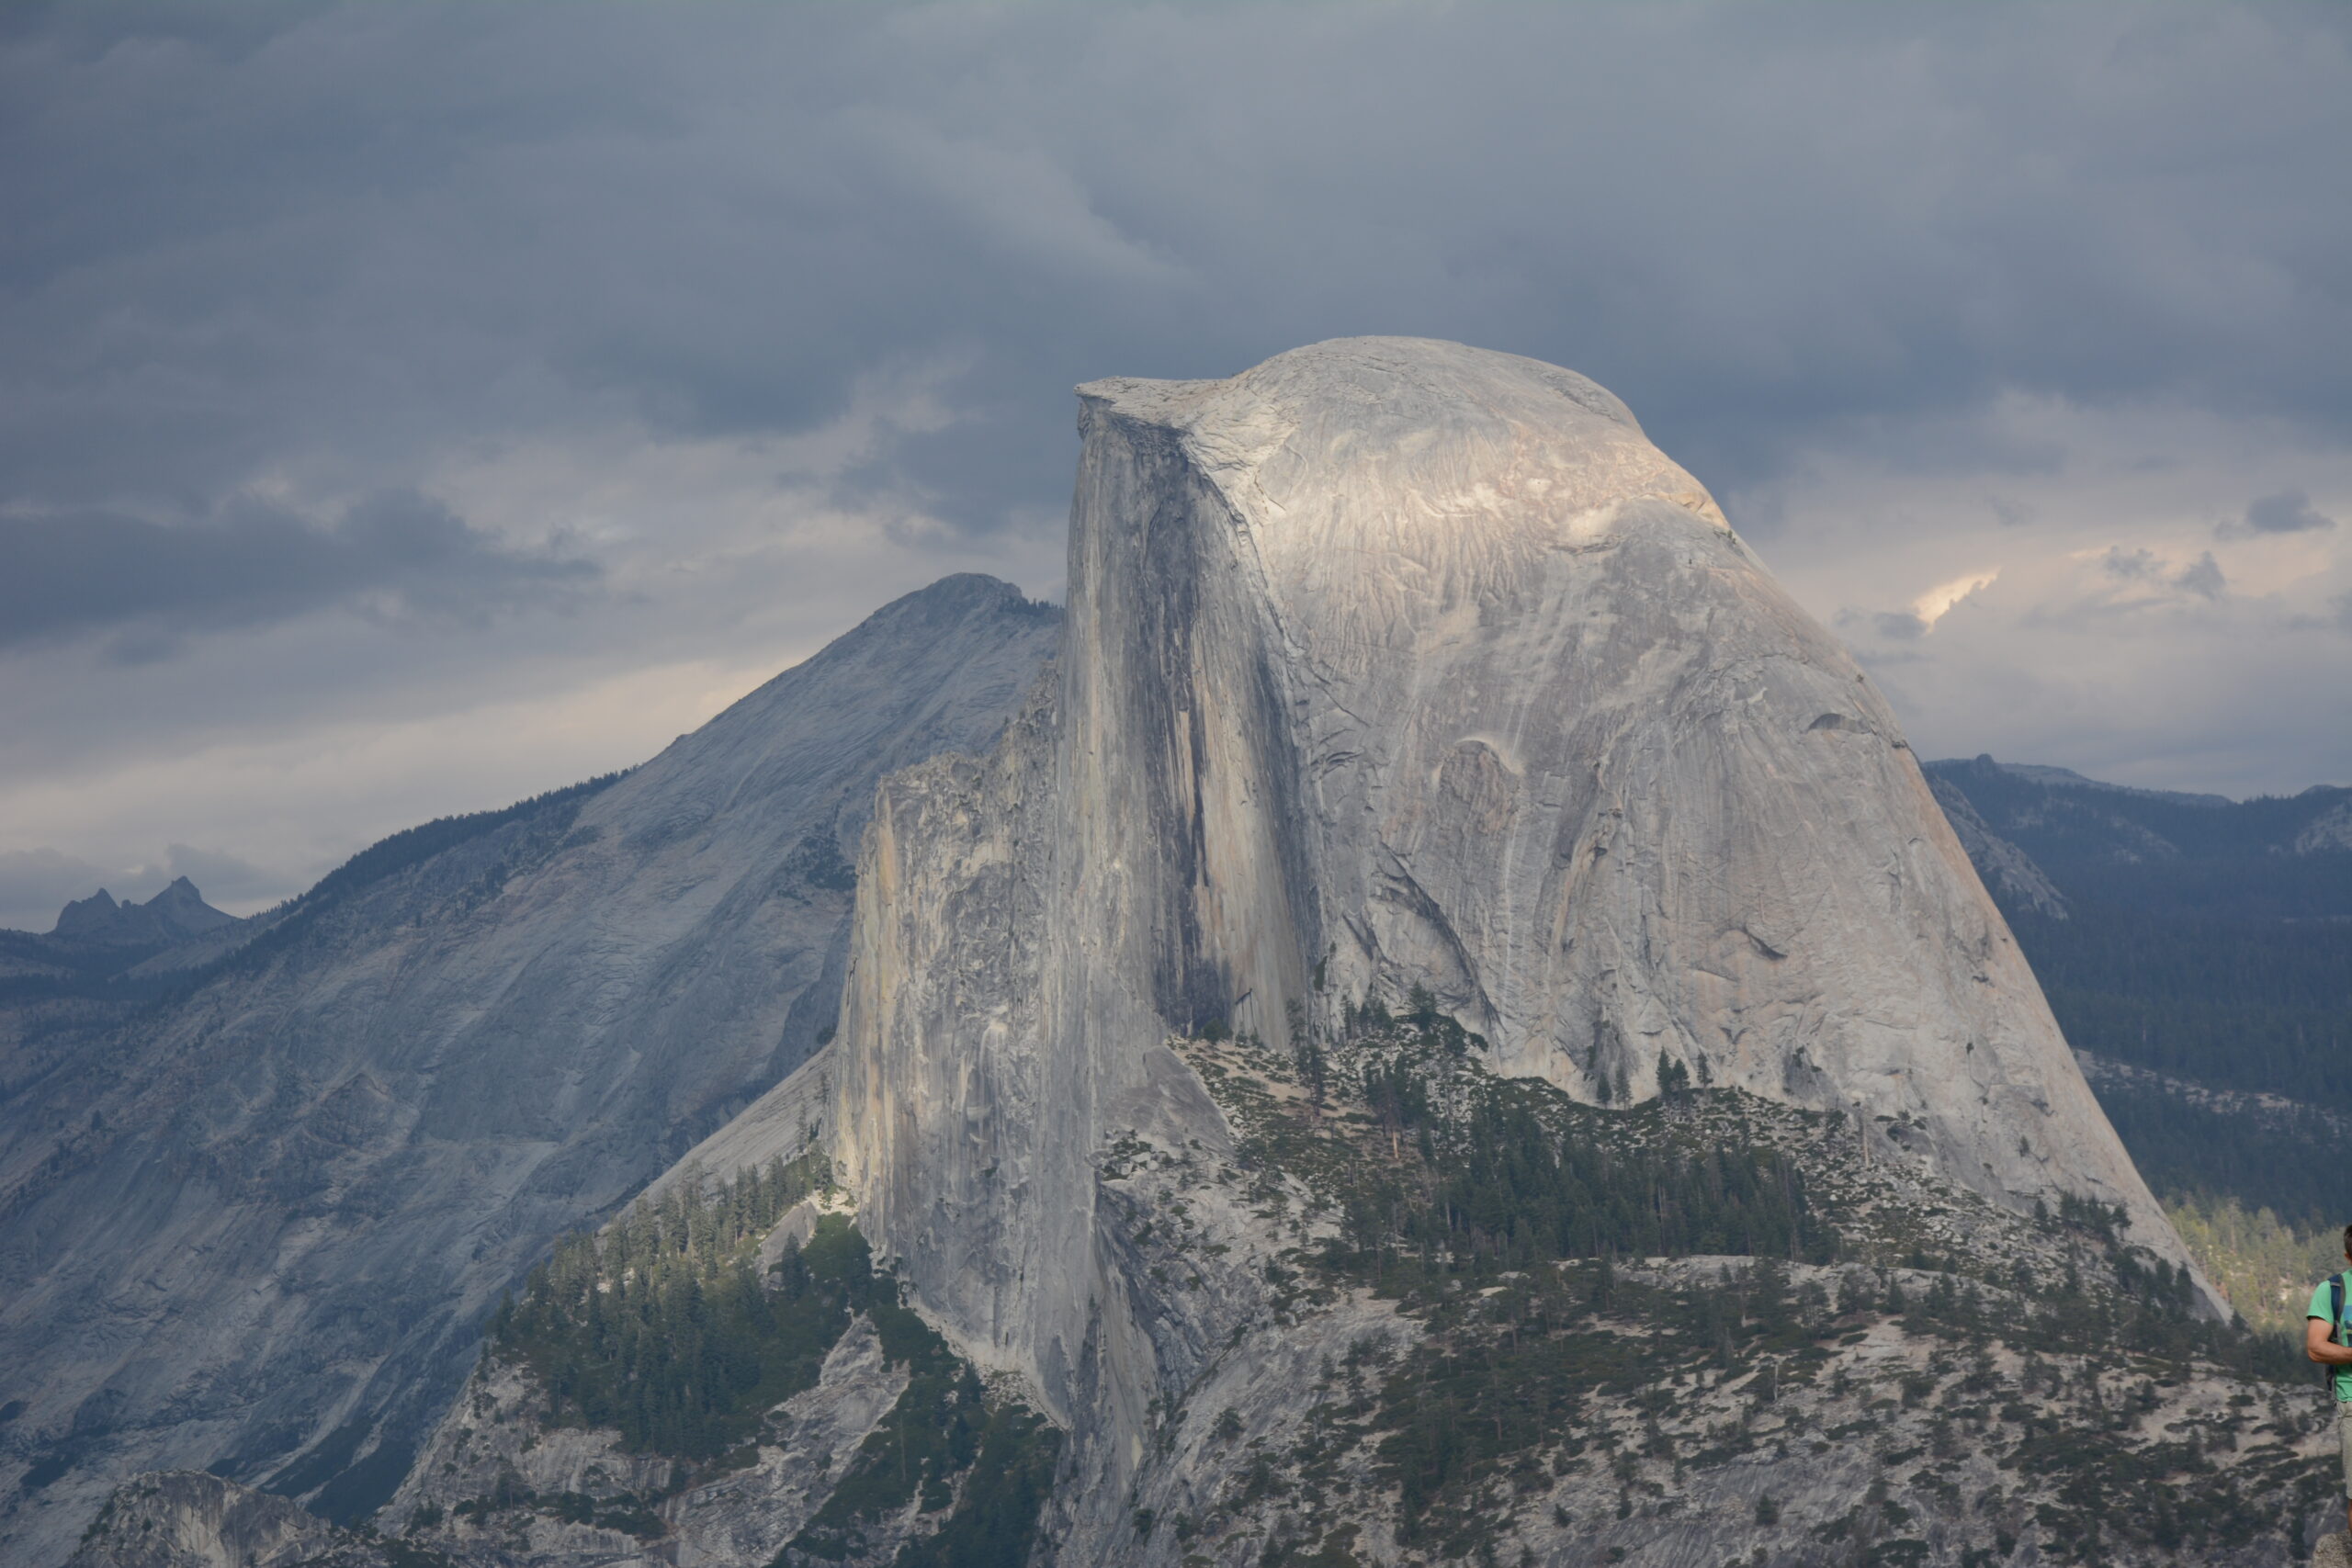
2329 1342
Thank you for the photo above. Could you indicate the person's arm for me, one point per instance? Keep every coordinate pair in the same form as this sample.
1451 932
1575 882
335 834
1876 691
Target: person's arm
2316 1347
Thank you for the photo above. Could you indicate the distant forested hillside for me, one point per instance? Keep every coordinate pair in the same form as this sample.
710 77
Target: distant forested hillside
2209 941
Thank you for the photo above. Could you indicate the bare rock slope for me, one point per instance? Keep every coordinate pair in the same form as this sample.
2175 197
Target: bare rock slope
191 1519
255 1227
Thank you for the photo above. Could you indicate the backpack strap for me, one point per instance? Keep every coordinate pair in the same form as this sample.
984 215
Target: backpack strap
2335 1326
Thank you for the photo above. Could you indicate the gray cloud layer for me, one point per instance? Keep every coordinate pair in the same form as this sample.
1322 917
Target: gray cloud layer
2289 512
760 313
397 553
257 233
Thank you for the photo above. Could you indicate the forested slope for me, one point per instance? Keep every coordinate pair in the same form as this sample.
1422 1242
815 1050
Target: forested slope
2209 943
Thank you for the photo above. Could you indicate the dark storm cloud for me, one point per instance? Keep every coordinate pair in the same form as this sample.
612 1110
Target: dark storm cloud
397 554
258 235
2289 512
2202 576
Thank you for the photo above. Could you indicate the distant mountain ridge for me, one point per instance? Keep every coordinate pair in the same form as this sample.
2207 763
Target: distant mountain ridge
2062 819
2008 872
2067 778
2205 945
112 953
175 914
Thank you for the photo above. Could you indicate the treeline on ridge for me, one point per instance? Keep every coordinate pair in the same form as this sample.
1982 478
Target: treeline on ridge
661 1326
1510 1174
1513 1188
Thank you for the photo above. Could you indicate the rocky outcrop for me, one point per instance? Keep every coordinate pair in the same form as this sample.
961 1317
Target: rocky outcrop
256 1229
2008 872
1559 747
175 914
1427 764
190 1519
2328 833
487 1487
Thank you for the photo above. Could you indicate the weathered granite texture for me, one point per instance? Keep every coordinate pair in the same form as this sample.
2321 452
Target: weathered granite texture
1557 745
1393 662
741 1519
2007 871
256 1228
190 1519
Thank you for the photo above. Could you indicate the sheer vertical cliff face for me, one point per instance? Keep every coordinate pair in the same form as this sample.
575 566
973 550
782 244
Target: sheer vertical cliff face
1393 662
1127 864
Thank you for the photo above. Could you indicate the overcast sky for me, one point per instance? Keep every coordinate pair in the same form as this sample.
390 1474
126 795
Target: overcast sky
404 409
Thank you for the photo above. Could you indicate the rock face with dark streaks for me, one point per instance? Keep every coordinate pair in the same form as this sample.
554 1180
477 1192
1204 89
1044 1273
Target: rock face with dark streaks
1393 663
1428 774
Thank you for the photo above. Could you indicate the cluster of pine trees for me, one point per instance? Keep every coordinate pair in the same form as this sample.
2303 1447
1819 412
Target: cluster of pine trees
2256 1006
1541 1195
1514 1175
942 1430
661 1326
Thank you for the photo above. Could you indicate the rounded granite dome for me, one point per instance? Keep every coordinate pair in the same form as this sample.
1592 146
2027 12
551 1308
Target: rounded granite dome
1388 485
1415 382
1419 427
1394 381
